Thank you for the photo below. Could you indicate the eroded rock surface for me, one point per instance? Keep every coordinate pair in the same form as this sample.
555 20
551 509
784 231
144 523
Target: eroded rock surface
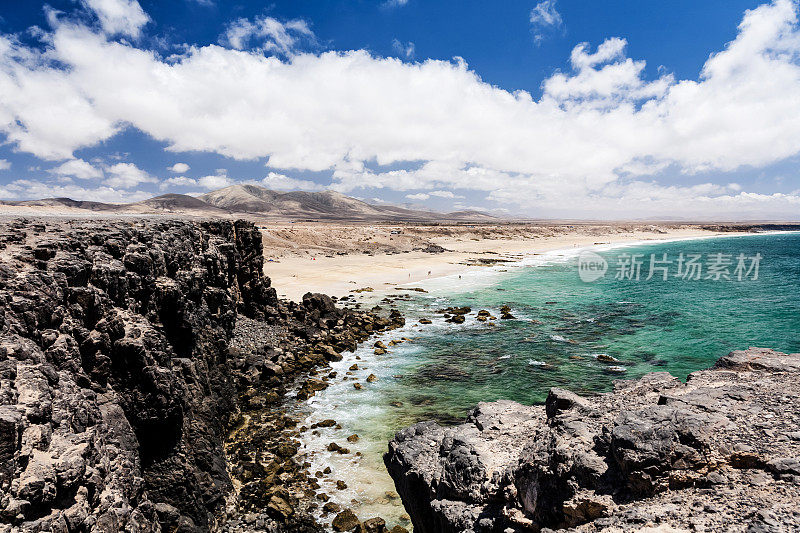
720 452
114 388
122 374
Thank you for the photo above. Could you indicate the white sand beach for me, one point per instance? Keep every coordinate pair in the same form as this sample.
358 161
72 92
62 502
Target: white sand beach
333 259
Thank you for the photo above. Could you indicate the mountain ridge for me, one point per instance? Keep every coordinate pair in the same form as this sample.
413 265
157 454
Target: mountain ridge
259 201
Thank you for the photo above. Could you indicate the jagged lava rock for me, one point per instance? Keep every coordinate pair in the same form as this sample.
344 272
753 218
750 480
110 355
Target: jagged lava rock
115 387
713 453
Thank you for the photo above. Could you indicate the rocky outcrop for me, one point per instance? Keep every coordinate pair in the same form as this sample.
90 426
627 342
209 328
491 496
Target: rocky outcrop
720 451
274 489
120 379
113 397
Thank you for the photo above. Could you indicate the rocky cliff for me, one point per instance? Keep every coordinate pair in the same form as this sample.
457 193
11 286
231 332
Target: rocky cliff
120 379
720 452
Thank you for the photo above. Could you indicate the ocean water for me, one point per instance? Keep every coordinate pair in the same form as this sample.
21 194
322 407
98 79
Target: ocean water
565 332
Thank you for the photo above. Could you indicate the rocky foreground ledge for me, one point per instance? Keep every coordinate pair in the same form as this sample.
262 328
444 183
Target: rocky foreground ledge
720 452
139 361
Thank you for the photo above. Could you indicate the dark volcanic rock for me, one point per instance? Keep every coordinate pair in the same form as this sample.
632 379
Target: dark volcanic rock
345 521
715 451
115 389
139 363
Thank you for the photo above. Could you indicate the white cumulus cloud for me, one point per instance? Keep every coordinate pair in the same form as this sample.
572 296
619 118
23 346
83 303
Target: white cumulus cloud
36 190
5 164
126 176
217 181
77 168
124 17
179 168
177 181
444 194
274 180
419 196
604 79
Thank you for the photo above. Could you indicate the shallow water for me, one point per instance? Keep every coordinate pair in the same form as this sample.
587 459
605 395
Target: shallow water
561 327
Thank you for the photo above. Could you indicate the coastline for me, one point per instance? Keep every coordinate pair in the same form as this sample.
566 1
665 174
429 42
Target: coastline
618 461
271 348
299 272
364 474
201 388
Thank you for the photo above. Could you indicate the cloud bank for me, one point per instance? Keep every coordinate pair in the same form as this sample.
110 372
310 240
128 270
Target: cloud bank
593 141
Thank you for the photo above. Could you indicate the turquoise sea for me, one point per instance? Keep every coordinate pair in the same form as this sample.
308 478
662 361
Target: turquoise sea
564 333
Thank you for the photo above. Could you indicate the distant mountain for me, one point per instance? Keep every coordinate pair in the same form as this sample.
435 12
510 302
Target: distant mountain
259 201
471 215
328 205
63 202
176 203
256 199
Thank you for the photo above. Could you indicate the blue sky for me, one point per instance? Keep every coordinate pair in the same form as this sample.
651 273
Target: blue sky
558 108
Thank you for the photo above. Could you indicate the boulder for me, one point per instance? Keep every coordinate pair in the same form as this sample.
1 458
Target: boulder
373 525
345 521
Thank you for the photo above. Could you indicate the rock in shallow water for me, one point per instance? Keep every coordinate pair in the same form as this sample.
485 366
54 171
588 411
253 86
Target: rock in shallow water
345 521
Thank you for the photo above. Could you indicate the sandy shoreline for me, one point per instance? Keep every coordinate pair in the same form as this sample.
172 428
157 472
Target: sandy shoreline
305 270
